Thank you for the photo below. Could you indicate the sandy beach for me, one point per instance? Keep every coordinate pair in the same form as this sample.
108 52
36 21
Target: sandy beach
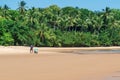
17 63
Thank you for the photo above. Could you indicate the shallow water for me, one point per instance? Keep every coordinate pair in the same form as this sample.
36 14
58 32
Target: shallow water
112 51
109 51
115 76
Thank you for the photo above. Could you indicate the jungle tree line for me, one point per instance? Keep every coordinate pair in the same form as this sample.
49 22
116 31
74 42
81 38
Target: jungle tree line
55 26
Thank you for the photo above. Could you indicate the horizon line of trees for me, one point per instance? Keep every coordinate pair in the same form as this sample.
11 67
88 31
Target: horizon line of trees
61 27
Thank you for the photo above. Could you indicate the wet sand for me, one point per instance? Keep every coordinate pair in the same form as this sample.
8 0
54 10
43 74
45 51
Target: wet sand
16 63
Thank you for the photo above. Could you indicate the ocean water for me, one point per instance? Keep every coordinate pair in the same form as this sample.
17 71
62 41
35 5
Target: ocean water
111 51
101 51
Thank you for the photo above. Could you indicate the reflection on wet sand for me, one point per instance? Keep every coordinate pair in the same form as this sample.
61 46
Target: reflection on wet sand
109 51
115 76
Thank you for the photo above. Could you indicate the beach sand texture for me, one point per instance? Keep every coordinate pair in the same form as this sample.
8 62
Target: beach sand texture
16 63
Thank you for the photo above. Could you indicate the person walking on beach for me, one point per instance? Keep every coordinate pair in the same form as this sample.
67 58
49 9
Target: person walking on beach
31 49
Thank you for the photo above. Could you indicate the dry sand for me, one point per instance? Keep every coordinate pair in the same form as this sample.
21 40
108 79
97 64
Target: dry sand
16 63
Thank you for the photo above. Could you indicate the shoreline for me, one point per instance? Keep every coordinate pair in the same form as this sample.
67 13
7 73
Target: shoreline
25 49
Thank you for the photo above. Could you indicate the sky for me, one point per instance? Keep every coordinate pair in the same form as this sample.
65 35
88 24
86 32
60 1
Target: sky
95 5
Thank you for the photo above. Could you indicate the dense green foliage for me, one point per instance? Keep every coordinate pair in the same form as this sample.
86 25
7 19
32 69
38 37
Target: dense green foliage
55 26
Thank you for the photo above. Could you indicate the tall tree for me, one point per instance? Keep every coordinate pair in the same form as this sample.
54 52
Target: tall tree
22 7
107 18
5 11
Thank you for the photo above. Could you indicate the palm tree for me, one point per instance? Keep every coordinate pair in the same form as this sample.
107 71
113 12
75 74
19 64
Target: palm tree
5 11
31 18
106 17
22 7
